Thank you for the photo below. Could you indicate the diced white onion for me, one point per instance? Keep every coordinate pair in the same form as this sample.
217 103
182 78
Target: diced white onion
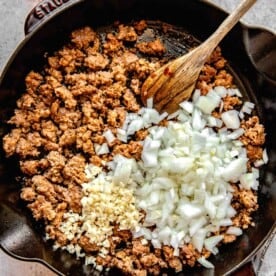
232 230
199 238
195 96
150 102
212 242
122 135
236 134
231 119
221 91
234 169
247 107
206 104
265 156
101 149
187 106
249 181
109 136
205 263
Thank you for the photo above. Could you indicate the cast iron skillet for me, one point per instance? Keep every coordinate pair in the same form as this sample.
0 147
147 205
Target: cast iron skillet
20 235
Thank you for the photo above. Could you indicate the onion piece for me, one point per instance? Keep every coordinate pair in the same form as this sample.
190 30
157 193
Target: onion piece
206 104
265 156
196 225
205 263
101 149
232 230
121 134
231 119
195 96
189 210
234 169
236 133
221 91
109 136
199 238
187 106
249 181
211 243
150 102
247 107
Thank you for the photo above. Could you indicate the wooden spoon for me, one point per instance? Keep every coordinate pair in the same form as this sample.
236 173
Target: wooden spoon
174 82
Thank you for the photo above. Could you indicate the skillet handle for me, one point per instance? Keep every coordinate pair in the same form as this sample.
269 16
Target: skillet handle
260 45
44 10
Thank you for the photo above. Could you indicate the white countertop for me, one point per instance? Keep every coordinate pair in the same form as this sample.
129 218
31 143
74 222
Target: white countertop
12 17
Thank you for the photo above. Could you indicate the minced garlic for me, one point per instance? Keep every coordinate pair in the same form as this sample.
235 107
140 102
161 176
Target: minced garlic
103 205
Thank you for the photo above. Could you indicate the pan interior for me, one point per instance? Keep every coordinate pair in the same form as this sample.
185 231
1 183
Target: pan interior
19 233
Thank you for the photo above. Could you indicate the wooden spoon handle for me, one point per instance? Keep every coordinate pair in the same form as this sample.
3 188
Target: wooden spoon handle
227 25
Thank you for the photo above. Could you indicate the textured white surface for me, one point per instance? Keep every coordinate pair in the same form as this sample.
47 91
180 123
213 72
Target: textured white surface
262 14
12 17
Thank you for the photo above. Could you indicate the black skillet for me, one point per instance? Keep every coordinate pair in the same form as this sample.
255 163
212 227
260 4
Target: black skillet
248 50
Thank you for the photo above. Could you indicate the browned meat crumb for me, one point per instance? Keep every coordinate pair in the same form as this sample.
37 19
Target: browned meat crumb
230 102
139 249
104 261
74 169
27 147
254 132
32 167
254 152
122 234
42 209
248 199
10 141
49 130
151 260
140 26
242 220
68 138
56 164
112 44
204 87
131 150
214 74
223 79
55 234
74 195
28 194
229 238
87 245
70 59
189 254
127 33
130 101
141 134
176 264
83 37
207 74
215 56
96 61
155 47
66 96
32 81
